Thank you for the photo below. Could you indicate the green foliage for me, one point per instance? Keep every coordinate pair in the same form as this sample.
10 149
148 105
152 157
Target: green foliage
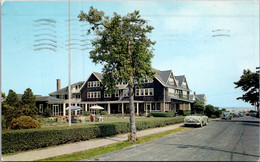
24 122
27 139
122 45
3 123
213 116
12 98
124 49
198 107
162 114
249 83
29 99
209 110
87 113
103 113
184 112
47 112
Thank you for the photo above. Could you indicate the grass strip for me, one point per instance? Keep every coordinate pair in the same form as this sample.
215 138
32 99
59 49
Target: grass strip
112 147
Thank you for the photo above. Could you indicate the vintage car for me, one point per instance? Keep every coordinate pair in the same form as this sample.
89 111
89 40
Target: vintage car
196 119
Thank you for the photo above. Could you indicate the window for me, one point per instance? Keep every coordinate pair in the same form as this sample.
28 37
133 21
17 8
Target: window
151 92
146 92
41 108
94 94
125 92
106 95
137 92
98 94
117 94
93 84
158 106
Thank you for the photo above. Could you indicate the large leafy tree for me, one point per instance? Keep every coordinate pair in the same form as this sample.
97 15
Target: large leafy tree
124 49
249 83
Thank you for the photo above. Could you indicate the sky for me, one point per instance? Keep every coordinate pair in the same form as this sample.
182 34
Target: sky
210 42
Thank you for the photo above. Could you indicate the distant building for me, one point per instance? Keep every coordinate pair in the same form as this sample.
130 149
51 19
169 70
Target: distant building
199 97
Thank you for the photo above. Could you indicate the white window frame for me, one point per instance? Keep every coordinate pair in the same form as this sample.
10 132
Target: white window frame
107 95
117 93
41 108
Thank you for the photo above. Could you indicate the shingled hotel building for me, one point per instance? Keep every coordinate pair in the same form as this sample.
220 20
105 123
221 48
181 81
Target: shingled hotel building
165 92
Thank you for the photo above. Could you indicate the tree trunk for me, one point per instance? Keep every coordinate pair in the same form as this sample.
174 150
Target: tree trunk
132 114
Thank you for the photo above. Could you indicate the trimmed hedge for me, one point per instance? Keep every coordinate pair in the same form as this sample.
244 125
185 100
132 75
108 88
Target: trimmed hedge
163 114
22 140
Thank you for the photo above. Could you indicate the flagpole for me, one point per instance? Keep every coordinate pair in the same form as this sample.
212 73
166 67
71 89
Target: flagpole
69 88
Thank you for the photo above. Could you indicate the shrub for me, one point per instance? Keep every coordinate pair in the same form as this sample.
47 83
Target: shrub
163 114
27 139
149 115
213 116
186 112
87 113
24 122
47 112
103 113
3 123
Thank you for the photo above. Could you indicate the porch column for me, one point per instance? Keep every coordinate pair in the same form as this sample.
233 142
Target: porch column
137 108
189 107
54 109
76 111
86 107
64 109
145 109
122 108
108 108
163 108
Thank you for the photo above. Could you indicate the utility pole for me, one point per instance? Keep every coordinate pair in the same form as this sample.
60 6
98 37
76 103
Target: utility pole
69 90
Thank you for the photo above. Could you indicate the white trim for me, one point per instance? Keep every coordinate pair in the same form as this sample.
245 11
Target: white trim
88 79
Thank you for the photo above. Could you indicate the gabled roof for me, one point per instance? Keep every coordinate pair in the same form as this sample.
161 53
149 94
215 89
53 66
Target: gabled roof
162 76
99 76
64 90
200 97
181 79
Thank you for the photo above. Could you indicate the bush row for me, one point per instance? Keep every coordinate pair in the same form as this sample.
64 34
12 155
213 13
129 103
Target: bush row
22 140
162 114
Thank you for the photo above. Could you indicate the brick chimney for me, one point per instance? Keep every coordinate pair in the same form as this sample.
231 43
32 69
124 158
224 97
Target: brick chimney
58 84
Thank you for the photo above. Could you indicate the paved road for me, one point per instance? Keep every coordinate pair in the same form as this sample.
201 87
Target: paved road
235 140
